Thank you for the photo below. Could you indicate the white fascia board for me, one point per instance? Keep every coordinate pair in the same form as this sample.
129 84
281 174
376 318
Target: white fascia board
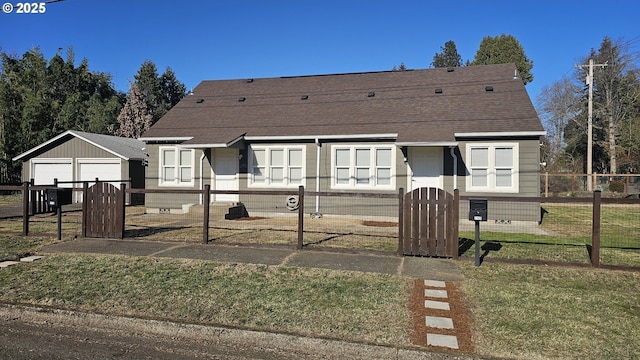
501 134
34 149
324 137
68 132
200 146
428 143
167 139
100 146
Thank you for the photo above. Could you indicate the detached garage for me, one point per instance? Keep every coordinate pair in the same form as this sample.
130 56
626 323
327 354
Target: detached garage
80 156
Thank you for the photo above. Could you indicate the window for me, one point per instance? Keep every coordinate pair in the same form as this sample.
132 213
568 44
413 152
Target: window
176 166
276 166
493 167
362 167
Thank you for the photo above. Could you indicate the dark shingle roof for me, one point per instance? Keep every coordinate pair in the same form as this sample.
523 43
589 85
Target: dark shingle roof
405 103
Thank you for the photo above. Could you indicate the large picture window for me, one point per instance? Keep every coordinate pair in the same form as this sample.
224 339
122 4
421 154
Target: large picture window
493 167
176 166
277 166
362 167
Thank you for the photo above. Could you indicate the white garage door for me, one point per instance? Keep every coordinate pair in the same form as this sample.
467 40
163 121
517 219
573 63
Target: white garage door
43 171
103 169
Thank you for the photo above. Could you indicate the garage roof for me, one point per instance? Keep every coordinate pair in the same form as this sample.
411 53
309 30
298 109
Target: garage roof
124 148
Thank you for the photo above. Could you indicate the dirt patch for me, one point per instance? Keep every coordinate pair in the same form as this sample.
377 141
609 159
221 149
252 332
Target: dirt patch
379 223
250 218
458 313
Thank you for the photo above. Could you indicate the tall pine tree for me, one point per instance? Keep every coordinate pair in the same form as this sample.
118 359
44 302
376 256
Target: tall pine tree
449 56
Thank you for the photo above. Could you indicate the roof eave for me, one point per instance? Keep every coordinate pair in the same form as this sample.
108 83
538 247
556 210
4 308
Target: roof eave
427 143
499 134
166 138
390 136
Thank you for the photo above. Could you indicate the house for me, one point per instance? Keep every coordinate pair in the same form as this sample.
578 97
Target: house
472 128
76 156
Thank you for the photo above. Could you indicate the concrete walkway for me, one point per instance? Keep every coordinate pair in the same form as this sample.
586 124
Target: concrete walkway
414 267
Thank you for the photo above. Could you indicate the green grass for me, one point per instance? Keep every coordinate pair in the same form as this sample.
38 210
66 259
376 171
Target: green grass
543 312
335 304
11 199
569 236
519 311
15 247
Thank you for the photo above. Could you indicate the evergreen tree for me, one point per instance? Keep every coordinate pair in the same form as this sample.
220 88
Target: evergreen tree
615 99
40 99
449 56
160 93
400 67
504 49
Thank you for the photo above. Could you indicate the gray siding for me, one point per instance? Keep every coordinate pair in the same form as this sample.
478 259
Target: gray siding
529 168
76 148
529 184
172 201
333 205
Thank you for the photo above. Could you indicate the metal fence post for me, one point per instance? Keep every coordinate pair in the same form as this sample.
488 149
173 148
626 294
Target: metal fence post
300 217
206 195
595 232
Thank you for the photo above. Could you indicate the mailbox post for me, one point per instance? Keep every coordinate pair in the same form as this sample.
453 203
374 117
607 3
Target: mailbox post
478 212
56 198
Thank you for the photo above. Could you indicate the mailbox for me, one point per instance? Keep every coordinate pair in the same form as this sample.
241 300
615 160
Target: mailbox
58 197
478 209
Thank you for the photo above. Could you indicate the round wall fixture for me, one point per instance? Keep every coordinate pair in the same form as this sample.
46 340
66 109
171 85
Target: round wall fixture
292 202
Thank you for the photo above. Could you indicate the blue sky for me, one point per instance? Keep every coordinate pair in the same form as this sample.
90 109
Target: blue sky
224 39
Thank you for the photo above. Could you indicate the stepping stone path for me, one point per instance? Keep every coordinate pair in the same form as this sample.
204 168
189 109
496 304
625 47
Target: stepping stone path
437 296
5 264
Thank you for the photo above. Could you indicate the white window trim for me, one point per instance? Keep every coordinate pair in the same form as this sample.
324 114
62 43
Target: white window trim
176 182
353 185
491 168
286 181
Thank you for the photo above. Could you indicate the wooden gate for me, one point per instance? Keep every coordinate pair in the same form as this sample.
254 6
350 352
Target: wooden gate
103 211
430 223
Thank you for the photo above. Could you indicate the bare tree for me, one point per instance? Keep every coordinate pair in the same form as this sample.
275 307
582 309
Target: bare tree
614 94
134 118
558 104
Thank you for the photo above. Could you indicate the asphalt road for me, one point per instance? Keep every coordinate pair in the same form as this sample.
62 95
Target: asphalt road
29 333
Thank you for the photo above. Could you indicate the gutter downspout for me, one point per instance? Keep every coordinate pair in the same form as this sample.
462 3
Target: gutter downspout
201 175
319 146
452 151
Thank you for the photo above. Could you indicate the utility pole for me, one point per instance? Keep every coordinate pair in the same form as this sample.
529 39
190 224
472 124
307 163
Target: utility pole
590 124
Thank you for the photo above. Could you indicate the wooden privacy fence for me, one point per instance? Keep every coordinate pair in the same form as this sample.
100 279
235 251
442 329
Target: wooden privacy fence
429 223
103 210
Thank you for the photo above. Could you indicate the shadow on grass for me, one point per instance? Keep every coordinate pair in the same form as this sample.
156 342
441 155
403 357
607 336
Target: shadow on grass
149 231
465 245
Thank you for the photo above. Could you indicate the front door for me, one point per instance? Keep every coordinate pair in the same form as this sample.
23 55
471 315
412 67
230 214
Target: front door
426 167
225 173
